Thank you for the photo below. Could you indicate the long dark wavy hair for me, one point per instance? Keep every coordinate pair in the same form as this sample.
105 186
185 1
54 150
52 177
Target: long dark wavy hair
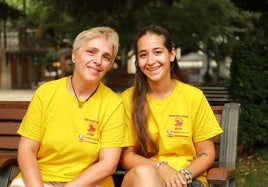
145 145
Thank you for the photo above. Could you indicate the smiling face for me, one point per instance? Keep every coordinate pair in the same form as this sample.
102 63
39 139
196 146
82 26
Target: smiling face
93 58
154 58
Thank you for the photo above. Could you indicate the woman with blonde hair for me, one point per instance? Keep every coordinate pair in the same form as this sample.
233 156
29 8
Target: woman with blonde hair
74 129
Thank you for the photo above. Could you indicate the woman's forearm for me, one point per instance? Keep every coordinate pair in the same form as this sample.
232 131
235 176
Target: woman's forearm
27 159
106 166
204 159
30 170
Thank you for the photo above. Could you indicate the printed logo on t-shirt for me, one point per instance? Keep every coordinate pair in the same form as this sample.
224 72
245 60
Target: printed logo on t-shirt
178 128
91 135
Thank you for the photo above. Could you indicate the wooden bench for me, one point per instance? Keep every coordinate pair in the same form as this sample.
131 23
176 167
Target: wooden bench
222 173
11 114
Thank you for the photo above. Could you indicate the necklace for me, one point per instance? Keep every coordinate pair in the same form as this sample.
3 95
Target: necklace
80 103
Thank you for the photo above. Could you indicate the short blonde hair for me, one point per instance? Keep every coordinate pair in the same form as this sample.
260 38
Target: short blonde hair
89 34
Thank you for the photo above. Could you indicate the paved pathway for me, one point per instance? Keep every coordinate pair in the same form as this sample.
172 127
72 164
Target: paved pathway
16 95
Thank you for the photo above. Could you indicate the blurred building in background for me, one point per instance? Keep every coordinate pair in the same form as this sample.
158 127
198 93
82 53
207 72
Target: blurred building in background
18 49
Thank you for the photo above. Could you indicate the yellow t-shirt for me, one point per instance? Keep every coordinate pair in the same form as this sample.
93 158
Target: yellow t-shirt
176 122
71 137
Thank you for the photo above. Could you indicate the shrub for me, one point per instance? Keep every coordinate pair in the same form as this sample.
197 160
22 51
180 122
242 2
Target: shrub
249 86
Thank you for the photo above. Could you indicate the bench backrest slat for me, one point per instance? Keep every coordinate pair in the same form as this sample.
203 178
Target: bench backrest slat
13 110
12 114
9 127
228 139
9 142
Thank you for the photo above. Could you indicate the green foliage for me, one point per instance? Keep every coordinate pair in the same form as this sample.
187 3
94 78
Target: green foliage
211 26
189 21
249 86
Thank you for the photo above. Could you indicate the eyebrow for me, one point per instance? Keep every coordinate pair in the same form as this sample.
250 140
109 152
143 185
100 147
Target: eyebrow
107 54
97 49
141 51
156 48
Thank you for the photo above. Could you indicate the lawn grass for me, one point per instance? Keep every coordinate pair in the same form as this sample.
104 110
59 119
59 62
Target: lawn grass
252 171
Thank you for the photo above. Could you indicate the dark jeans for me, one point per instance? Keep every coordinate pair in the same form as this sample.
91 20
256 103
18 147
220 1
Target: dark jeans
196 183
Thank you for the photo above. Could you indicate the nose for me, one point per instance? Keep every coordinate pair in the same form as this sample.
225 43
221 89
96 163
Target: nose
150 59
98 59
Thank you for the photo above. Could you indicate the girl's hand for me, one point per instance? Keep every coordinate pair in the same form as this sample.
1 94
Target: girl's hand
171 177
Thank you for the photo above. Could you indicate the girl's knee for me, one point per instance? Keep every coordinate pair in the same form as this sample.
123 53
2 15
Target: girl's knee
144 172
142 175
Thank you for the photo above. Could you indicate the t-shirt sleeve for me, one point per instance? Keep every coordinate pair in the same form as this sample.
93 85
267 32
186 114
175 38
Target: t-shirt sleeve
206 124
30 126
114 131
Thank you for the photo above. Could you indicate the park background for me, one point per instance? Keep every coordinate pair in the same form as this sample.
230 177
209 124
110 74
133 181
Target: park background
220 43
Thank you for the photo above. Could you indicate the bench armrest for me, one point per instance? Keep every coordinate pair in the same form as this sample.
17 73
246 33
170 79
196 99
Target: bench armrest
219 176
8 158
